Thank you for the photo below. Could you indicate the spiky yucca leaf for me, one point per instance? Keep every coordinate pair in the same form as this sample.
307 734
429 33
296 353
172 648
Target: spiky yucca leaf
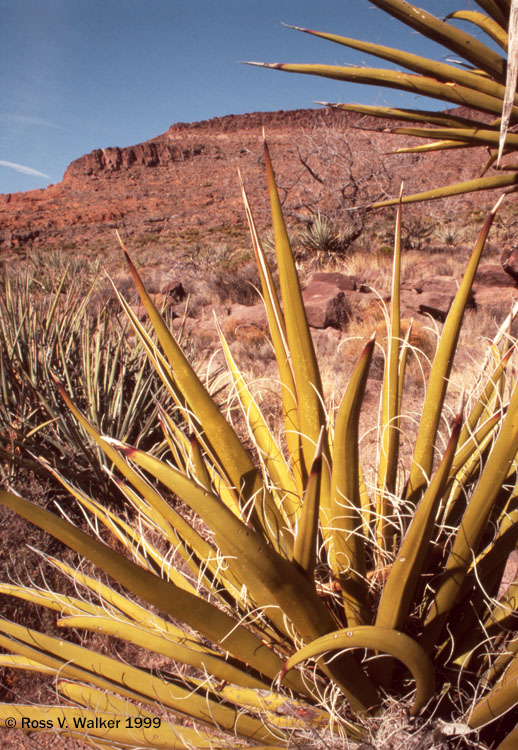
240 566
477 78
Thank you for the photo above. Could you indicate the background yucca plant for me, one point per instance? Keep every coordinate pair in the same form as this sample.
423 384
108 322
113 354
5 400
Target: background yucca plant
55 334
479 78
290 595
325 240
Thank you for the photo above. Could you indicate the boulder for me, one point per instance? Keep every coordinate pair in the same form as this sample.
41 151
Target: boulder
342 281
248 314
494 275
436 304
326 305
437 285
174 291
509 261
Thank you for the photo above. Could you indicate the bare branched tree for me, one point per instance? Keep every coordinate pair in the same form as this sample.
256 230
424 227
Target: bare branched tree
346 175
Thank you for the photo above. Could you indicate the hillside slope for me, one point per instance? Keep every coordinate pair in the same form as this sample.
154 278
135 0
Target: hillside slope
185 180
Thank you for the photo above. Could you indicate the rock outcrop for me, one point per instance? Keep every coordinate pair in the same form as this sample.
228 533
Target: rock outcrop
185 180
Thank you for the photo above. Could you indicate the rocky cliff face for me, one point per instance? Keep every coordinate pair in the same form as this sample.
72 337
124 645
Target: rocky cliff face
187 179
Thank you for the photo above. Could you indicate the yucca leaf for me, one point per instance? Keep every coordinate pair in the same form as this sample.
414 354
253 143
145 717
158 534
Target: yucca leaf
99 701
301 349
452 38
282 712
348 552
383 640
503 697
403 358
389 449
474 444
124 607
79 663
411 82
398 593
188 535
418 64
305 548
200 471
496 10
159 643
444 119
484 398
273 582
12 661
68 605
199 556
510 742
470 137
481 619
196 552
511 78
474 521
144 553
500 664
207 619
119 607
438 381
90 697
431 147
163 738
242 473
269 451
458 188
278 335
493 29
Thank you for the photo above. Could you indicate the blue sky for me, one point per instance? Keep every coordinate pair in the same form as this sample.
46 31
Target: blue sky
82 74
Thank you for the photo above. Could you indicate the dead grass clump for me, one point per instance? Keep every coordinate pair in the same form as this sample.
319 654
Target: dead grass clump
239 285
392 729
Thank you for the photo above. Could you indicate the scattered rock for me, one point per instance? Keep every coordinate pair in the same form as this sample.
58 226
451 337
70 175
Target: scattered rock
509 261
174 291
437 285
435 304
244 321
342 281
494 275
326 305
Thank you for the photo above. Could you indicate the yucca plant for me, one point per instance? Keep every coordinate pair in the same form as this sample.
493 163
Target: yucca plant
294 596
477 78
325 240
42 336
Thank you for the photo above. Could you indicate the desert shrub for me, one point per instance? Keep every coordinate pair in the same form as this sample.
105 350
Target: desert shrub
417 232
449 234
239 284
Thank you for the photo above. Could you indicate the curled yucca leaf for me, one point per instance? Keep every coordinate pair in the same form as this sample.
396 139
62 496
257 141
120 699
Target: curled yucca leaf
480 78
287 589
